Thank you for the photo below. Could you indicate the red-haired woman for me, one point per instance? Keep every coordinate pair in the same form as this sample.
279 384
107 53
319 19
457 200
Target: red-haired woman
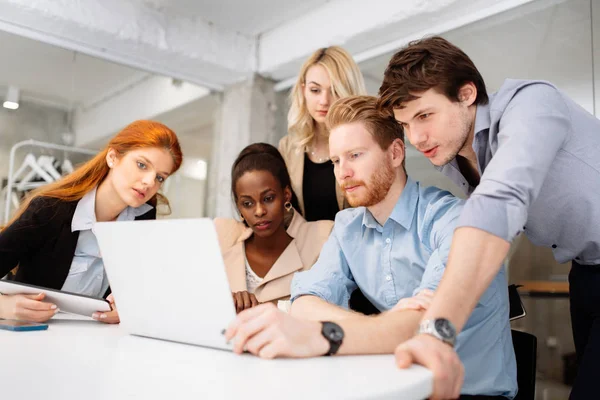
50 237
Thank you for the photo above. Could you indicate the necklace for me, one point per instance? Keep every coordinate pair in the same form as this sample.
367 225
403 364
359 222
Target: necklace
319 160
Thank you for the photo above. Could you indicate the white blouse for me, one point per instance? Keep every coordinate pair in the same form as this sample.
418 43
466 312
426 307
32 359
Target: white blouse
252 280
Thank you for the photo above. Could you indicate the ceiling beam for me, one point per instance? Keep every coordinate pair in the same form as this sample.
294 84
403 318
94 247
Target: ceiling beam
129 33
372 28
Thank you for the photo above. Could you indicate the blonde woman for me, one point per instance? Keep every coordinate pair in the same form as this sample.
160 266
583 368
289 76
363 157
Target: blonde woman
329 74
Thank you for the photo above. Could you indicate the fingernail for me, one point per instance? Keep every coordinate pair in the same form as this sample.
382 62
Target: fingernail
103 316
57 310
95 315
53 306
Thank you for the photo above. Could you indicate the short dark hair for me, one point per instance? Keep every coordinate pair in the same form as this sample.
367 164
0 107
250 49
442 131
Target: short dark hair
428 63
261 157
380 123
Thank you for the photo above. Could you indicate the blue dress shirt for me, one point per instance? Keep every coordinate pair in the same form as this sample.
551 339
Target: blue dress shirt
404 256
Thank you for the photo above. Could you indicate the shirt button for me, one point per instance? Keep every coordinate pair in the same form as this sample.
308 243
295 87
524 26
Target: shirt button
554 246
388 240
524 228
388 278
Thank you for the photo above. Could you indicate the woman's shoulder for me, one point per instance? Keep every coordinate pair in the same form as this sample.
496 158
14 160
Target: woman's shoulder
287 145
45 211
50 206
229 231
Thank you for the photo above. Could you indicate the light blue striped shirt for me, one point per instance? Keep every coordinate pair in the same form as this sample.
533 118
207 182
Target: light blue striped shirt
402 257
86 275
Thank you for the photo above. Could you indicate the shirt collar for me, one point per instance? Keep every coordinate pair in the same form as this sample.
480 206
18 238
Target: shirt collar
403 211
482 118
84 217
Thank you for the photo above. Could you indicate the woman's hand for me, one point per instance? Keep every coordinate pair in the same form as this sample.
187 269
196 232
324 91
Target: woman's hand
111 317
243 300
27 307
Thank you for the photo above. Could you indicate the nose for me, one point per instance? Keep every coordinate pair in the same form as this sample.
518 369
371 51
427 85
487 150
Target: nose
148 179
260 210
343 171
416 136
325 98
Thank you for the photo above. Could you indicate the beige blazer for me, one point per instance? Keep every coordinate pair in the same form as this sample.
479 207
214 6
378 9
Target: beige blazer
294 159
300 255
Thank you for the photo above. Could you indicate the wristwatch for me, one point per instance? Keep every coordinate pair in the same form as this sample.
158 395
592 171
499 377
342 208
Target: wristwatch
334 335
439 328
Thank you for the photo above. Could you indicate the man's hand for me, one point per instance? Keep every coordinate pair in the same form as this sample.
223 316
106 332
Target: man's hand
268 332
420 302
440 358
111 317
243 300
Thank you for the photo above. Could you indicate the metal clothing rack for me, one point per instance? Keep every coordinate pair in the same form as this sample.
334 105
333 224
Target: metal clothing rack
33 143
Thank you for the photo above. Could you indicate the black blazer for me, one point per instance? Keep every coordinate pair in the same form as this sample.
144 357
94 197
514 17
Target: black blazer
41 243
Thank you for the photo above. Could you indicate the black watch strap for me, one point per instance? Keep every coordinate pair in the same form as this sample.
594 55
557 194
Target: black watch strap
334 335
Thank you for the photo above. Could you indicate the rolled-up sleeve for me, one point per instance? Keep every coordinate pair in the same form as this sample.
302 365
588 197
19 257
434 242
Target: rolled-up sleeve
329 278
532 131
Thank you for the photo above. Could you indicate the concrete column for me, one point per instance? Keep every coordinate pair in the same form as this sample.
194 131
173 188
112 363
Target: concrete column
595 25
249 112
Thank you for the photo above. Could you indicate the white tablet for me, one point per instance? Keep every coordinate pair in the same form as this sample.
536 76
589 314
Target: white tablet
65 301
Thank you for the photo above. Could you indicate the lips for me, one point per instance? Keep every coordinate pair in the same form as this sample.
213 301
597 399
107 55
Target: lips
430 152
140 194
322 112
263 225
350 186
350 189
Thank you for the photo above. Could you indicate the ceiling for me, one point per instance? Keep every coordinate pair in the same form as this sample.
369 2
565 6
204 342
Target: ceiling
58 77
250 17
552 43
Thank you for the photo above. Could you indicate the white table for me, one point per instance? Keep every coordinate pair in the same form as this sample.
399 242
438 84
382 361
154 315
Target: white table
83 359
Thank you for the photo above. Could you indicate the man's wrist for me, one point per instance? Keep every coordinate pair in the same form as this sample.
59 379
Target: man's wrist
439 328
321 345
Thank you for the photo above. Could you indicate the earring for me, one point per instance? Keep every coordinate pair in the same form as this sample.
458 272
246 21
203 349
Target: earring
288 206
110 165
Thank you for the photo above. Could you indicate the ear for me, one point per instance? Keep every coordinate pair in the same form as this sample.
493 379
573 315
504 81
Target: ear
111 157
398 152
467 94
287 194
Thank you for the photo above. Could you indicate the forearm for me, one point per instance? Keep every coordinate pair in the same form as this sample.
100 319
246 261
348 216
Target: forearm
379 334
316 309
475 259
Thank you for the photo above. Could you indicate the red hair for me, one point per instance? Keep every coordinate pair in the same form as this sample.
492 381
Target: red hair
137 135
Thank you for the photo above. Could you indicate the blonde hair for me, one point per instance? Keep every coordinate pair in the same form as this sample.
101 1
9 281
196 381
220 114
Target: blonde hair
346 80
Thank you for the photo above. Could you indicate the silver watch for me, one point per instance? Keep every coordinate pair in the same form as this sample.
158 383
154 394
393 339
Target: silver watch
439 328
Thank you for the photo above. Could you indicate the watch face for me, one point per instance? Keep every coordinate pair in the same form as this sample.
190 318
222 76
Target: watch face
333 332
445 328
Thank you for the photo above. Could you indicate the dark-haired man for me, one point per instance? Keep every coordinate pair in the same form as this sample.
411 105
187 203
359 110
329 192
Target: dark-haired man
528 157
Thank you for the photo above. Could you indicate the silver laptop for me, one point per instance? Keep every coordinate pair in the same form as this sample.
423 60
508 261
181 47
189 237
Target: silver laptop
168 279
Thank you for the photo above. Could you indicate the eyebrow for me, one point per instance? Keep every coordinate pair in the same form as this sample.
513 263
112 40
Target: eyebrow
308 83
353 150
421 111
261 193
152 165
